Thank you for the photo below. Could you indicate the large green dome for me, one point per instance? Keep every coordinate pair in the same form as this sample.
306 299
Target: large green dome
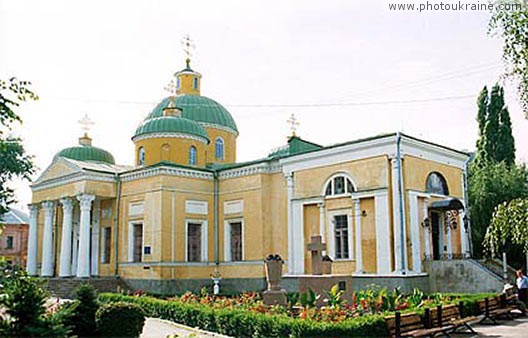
171 125
198 108
87 153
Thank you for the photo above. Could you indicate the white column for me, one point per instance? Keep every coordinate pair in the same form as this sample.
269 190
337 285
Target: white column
75 244
289 184
83 264
95 238
381 204
400 248
32 240
359 251
66 241
448 239
414 213
322 224
427 230
47 241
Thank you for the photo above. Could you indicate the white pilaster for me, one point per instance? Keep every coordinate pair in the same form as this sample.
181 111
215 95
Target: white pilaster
47 240
95 238
66 241
322 224
415 232
83 264
464 240
427 230
359 251
400 247
381 204
75 244
32 240
289 185
449 245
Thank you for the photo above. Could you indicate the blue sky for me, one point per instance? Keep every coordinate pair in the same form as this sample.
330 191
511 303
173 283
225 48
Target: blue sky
111 59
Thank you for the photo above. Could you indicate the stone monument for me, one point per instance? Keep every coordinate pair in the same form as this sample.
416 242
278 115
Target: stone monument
274 295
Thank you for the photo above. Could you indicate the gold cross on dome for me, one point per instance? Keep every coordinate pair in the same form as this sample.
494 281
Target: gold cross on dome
188 46
86 123
170 87
292 121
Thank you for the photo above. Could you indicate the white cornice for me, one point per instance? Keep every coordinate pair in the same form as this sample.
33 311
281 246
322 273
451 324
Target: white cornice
71 178
168 171
433 152
259 168
218 126
170 135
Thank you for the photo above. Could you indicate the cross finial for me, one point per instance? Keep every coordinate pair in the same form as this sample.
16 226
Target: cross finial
170 87
86 123
188 46
292 121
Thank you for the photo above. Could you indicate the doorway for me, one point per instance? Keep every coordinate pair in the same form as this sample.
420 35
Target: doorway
435 232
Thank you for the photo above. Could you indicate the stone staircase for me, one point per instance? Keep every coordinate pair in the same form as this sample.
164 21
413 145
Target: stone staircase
65 287
495 265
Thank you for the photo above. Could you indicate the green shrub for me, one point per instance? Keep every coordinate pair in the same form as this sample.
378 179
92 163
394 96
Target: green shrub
120 319
245 323
82 318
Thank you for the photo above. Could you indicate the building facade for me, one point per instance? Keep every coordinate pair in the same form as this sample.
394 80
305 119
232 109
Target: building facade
188 210
14 237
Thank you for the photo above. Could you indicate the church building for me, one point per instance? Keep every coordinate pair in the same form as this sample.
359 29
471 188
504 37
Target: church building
187 210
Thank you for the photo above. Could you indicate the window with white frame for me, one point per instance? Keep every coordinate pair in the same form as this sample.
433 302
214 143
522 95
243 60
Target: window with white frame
196 241
141 156
192 155
339 185
342 246
234 241
219 149
195 83
106 247
135 242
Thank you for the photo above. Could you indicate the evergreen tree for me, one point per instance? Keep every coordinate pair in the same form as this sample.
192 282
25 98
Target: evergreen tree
491 129
482 115
506 144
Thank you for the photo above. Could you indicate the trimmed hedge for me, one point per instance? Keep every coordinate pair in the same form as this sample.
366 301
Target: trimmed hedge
244 323
120 319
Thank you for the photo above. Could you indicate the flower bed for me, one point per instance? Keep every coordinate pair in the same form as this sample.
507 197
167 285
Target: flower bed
247 316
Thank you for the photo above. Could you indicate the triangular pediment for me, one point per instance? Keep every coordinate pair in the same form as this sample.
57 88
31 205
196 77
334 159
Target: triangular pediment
60 167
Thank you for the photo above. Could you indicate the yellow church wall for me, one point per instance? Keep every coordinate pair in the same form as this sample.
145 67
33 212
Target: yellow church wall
178 150
416 170
186 83
368 235
107 220
275 214
229 146
368 173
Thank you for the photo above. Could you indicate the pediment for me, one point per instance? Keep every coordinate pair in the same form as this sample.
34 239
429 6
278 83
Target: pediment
60 167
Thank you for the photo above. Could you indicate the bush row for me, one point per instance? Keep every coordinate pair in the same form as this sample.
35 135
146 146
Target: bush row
244 323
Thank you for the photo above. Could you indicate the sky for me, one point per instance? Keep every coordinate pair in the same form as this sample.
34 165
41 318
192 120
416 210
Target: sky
346 69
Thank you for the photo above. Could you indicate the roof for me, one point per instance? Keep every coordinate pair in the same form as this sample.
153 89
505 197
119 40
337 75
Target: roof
295 145
447 204
14 216
171 124
198 108
87 153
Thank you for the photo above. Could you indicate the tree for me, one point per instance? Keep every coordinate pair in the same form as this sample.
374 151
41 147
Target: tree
511 24
14 162
506 143
490 186
482 116
508 225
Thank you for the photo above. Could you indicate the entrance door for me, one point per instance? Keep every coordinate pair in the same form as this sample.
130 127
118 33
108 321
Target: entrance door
138 242
435 232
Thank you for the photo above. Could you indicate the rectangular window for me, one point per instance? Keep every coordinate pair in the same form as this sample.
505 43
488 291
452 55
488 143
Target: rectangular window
194 242
341 237
107 237
138 243
236 241
339 185
9 242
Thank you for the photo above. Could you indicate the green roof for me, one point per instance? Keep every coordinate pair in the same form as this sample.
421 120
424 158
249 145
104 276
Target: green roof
171 124
198 108
295 145
87 153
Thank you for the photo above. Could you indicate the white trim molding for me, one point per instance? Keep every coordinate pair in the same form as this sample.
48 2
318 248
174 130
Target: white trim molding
254 169
219 127
170 135
168 171
227 238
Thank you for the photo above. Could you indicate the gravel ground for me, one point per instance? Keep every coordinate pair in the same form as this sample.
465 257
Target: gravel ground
159 328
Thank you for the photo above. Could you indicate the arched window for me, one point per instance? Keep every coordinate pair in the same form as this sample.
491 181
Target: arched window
165 152
141 156
192 155
219 149
339 185
437 184
195 83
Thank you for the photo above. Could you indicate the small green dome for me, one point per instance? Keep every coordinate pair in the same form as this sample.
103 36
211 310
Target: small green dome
87 153
198 108
170 124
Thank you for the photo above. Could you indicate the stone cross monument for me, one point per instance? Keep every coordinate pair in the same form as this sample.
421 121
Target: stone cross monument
316 246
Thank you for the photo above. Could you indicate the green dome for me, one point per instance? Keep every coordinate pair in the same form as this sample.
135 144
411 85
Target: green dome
170 124
198 108
87 153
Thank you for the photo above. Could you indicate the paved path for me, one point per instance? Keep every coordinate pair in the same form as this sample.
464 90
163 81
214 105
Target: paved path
507 329
159 328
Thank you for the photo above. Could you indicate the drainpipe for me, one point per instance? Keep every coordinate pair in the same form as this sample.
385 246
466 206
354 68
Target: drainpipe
116 226
216 230
400 196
